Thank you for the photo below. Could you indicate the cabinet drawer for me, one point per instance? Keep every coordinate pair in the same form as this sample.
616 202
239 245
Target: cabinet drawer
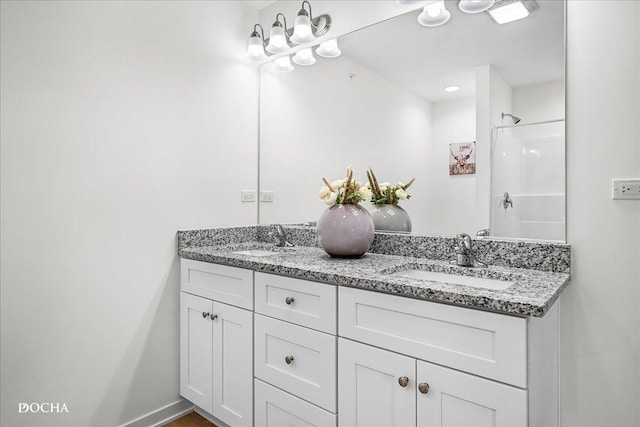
275 408
222 283
487 344
306 303
296 359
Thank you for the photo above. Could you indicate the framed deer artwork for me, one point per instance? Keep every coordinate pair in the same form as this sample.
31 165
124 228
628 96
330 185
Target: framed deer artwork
462 158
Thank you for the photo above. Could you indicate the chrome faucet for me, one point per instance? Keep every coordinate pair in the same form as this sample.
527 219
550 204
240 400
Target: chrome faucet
466 256
485 232
506 201
279 235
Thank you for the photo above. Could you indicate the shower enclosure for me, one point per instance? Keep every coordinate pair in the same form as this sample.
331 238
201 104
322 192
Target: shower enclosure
528 181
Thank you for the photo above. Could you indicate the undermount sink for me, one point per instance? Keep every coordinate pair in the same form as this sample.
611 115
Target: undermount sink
255 252
475 282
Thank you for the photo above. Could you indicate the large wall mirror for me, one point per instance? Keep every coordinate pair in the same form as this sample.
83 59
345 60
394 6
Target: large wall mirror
382 104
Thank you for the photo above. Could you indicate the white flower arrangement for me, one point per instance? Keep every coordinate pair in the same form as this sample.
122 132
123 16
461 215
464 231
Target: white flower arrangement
384 193
344 191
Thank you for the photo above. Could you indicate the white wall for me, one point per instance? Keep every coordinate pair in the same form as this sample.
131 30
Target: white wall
600 322
537 103
451 200
122 122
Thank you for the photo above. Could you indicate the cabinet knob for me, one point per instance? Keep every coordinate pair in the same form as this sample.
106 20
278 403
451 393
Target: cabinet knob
403 381
289 300
288 360
424 388
205 314
214 316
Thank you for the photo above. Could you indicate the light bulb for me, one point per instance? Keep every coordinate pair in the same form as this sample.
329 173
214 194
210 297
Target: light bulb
304 57
475 6
329 49
302 30
277 39
255 49
434 15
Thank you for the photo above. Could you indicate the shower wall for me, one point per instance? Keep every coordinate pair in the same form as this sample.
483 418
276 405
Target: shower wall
529 163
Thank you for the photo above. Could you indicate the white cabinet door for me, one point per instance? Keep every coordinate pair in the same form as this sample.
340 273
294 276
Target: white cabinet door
456 399
275 408
369 387
232 365
196 346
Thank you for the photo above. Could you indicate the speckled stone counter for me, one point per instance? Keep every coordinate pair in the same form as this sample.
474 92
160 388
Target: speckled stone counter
535 287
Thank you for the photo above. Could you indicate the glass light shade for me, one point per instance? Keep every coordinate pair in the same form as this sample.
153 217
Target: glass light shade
304 57
451 88
277 40
509 12
329 49
255 49
434 15
475 6
302 30
283 64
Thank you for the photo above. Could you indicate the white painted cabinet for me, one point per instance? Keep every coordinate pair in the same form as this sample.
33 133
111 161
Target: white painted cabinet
293 352
216 354
448 398
387 375
382 388
370 390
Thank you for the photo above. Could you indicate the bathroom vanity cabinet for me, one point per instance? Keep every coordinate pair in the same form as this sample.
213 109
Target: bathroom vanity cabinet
216 334
326 355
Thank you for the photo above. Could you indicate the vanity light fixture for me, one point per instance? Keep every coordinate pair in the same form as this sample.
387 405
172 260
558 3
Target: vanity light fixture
304 57
329 49
434 15
306 30
475 6
255 48
511 10
278 36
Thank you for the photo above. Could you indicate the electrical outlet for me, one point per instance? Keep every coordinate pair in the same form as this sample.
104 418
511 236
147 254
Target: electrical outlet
628 189
247 196
266 196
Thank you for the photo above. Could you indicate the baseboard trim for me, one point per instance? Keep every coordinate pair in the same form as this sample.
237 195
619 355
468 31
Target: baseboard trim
163 415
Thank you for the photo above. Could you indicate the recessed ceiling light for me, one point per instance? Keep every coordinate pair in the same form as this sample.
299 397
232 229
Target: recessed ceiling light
451 89
509 11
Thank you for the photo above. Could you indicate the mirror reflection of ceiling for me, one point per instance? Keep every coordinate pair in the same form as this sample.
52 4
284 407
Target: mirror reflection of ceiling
425 60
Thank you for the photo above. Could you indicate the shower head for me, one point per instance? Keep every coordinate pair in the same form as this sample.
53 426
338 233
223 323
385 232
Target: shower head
515 119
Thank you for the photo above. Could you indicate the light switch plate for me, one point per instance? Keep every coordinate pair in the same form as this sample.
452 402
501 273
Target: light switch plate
247 196
625 189
266 196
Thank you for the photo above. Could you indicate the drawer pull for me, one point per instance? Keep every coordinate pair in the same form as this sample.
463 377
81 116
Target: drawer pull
424 388
403 381
288 360
289 300
214 316
205 314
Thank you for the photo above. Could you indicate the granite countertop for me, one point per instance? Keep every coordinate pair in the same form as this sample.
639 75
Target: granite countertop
532 293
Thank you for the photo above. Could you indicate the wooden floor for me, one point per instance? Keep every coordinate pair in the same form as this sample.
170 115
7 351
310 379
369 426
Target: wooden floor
191 420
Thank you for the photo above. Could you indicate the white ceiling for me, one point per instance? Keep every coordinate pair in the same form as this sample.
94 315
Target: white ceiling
425 60
259 4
